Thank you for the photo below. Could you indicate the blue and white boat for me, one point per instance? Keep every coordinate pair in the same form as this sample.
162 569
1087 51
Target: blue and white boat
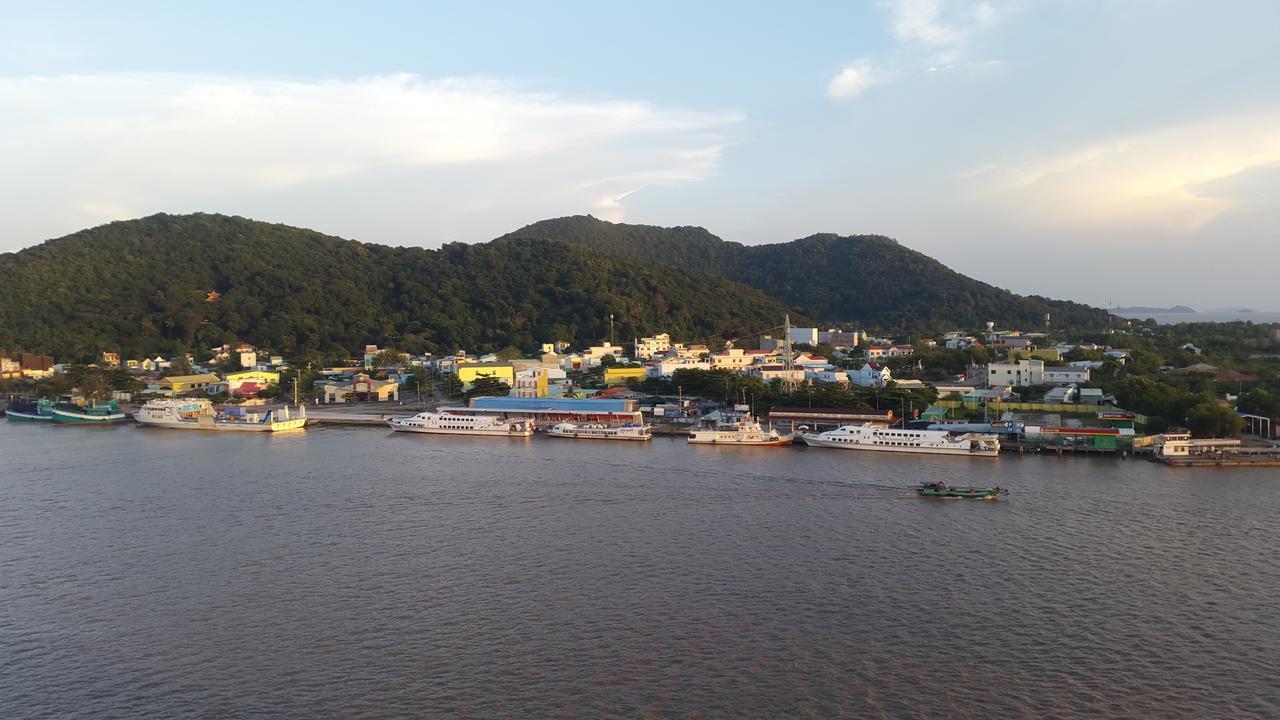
30 410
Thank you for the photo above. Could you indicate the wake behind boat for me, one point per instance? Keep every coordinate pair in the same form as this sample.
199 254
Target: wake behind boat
447 423
601 432
936 442
199 414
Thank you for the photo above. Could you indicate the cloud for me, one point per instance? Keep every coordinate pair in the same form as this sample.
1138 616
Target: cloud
81 149
855 79
1174 180
943 26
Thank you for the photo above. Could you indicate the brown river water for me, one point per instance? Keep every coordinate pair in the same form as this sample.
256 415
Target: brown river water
357 573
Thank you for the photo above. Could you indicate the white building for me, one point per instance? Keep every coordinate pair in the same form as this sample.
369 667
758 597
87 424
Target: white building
735 359
668 366
593 354
769 373
872 375
830 376
1020 373
1066 375
809 336
647 347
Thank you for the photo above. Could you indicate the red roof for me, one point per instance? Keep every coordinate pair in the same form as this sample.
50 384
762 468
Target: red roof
248 389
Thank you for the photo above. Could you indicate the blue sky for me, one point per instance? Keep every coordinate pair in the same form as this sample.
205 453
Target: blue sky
1109 152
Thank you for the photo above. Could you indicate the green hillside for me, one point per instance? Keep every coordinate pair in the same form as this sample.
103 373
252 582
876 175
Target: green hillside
869 280
141 287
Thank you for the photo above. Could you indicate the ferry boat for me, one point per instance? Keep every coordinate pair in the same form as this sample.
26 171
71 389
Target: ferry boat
602 432
744 432
448 423
95 413
29 410
937 442
199 414
940 489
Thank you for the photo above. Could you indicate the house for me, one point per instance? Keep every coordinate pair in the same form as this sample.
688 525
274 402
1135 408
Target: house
843 340
360 387
735 359
470 372
595 353
620 375
830 376
1019 373
1065 375
668 366
179 384
1120 355
769 373
808 336
248 358
10 369
111 359
882 352
1191 348
647 347
259 378
810 361
872 375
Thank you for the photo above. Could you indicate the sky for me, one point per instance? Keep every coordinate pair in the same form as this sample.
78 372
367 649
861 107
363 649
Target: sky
1111 152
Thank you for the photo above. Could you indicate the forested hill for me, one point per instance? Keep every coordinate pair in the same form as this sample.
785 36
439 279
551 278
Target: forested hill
865 279
142 287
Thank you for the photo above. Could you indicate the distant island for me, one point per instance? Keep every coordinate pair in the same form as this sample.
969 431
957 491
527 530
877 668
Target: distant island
1143 310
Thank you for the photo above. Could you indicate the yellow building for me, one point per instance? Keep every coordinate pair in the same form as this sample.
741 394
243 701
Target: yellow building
468 373
620 375
262 377
178 384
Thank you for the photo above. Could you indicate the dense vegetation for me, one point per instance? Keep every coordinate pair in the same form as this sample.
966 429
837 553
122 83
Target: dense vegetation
868 280
141 286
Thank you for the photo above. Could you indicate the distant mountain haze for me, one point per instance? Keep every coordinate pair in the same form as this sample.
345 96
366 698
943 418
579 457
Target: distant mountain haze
143 286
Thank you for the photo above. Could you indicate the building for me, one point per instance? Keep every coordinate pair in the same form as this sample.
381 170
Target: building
620 375
808 336
838 377
769 373
548 411
818 418
647 347
111 359
259 378
248 358
871 375
843 340
35 366
179 384
359 388
1065 375
470 372
883 352
1019 373
735 359
667 367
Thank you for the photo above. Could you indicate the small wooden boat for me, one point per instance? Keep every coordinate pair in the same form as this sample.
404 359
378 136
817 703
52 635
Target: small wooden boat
940 489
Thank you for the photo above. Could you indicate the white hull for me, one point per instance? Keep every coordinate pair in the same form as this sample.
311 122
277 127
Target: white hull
226 426
457 431
815 441
718 438
601 433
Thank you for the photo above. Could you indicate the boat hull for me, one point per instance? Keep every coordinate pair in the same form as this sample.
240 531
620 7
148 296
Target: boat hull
815 441
585 436
278 426
730 442
26 417
74 418
460 431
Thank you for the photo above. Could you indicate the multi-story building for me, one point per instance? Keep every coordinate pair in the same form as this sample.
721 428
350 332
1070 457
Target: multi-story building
647 347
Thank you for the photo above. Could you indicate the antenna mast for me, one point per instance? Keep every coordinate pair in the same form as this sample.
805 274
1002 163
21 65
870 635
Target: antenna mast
789 385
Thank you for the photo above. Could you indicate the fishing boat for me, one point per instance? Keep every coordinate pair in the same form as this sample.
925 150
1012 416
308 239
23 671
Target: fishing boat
936 442
95 413
746 431
30 410
200 414
447 423
940 489
601 432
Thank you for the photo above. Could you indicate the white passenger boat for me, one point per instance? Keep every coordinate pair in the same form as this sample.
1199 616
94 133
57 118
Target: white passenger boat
745 432
200 414
602 432
447 423
937 442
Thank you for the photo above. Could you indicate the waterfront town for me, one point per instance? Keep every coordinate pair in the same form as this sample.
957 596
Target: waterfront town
1032 390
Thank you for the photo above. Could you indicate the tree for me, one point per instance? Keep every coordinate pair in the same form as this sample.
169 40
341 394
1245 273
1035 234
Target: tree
508 353
388 358
1260 401
1212 419
488 386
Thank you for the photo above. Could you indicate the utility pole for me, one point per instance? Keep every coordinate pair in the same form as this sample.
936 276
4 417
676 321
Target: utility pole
789 385
610 328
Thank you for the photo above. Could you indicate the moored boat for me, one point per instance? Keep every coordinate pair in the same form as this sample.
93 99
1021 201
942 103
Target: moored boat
601 432
447 423
29 410
742 433
940 489
936 442
95 413
200 414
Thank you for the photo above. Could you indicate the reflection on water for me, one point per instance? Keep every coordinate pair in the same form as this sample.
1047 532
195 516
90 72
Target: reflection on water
153 573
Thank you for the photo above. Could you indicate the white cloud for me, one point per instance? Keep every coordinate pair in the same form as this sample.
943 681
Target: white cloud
1162 180
84 149
944 26
855 79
